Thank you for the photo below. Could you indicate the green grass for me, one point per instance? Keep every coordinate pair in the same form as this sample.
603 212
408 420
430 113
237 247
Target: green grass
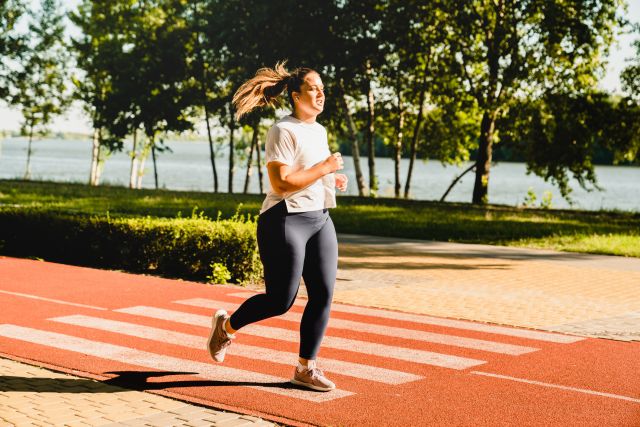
605 232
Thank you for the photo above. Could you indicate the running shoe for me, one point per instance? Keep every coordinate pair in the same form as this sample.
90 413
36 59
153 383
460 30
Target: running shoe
313 378
219 338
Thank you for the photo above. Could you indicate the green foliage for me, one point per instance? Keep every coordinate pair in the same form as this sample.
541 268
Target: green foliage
628 147
135 69
219 273
547 200
95 50
40 82
622 136
531 198
188 248
11 43
558 135
508 51
450 134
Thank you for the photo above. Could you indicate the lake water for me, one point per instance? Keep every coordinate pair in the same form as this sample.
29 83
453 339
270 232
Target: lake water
188 168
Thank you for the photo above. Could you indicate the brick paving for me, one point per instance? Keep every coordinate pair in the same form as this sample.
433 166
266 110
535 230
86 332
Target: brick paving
587 295
34 396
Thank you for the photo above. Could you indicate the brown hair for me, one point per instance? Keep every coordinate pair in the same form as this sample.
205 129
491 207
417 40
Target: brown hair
265 87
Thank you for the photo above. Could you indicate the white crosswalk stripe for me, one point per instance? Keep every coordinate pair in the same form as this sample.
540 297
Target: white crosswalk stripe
364 347
356 370
146 359
450 323
387 330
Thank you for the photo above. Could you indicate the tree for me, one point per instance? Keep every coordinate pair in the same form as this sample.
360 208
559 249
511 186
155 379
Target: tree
623 133
40 83
412 72
354 55
505 49
95 49
165 91
627 145
143 54
630 76
229 39
12 43
204 62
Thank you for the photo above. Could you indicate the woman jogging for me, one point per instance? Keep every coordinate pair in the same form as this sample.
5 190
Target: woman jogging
296 237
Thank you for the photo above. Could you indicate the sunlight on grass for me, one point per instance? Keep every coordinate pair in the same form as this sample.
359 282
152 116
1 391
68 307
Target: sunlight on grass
608 244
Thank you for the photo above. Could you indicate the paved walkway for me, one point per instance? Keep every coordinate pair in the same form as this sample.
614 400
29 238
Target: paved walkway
595 296
587 295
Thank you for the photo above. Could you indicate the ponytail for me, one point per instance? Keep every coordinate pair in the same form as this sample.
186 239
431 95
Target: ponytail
265 87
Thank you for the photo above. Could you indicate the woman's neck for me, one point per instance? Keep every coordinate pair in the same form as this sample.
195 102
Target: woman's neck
307 118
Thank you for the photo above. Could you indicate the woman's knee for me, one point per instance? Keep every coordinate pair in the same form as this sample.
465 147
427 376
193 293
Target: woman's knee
281 304
320 292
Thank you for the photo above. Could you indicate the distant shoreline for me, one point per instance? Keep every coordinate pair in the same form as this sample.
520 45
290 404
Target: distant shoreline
72 136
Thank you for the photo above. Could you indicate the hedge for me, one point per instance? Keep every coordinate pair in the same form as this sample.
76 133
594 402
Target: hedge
195 248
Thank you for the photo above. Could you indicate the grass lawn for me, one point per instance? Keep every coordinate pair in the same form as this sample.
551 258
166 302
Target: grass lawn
613 233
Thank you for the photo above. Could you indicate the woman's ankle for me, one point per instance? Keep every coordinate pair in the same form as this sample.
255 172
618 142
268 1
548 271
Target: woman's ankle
228 328
306 363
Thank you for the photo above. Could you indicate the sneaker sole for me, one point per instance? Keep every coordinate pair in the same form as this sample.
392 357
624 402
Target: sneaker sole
214 322
311 386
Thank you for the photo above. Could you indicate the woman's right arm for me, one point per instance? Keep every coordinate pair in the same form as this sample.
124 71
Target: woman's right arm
283 180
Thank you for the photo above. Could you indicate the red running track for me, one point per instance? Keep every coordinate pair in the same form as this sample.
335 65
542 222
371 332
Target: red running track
149 333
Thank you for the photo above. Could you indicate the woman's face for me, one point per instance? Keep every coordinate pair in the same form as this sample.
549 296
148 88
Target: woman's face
310 99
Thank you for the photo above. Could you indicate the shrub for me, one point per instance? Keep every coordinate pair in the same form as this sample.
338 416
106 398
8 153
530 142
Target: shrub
219 273
188 248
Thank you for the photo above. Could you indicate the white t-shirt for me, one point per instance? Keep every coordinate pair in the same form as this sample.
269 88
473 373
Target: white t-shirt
300 145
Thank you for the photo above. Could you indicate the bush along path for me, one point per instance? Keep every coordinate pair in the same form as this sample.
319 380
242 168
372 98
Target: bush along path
195 248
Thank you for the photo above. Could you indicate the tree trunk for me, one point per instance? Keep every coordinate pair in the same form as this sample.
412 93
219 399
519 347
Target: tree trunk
100 161
94 158
134 161
259 159
254 140
144 153
483 161
232 128
373 184
203 94
455 181
143 159
212 153
414 142
398 144
355 147
27 171
155 164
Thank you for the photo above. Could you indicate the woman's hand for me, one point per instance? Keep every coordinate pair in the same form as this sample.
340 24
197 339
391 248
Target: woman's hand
334 162
341 182
285 180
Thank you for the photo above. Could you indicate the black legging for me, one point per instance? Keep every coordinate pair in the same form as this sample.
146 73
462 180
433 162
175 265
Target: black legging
294 245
